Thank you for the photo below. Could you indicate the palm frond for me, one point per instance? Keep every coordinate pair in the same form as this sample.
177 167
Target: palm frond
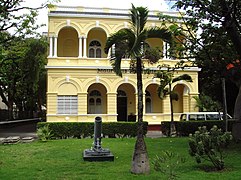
174 96
142 16
161 33
123 41
184 77
162 91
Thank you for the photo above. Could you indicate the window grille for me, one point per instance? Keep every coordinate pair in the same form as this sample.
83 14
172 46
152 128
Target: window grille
67 105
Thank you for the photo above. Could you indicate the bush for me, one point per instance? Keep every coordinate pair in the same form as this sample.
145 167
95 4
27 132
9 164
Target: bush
208 145
63 130
184 128
168 163
44 133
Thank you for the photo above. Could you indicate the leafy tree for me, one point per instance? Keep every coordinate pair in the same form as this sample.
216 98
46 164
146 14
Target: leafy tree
9 72
206 103
129 42
21 69
165 88
220 21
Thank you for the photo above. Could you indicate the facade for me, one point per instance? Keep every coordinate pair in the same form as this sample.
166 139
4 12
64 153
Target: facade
81 82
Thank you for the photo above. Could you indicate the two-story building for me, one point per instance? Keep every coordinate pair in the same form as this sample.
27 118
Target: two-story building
81 82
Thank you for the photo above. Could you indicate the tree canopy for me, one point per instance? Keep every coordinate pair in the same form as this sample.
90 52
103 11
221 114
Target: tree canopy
211 34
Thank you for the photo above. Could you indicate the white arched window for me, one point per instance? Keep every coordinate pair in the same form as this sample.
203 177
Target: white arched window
95 49
95 102
148 102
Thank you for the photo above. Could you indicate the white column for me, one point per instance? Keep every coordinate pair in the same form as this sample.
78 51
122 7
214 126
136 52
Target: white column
109 54
55 46
50 46
164 50
80 47
85 46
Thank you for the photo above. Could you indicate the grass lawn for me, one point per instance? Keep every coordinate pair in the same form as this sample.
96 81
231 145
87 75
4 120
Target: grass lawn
62 159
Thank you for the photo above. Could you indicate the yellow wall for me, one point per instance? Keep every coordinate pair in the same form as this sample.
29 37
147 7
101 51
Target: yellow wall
72 74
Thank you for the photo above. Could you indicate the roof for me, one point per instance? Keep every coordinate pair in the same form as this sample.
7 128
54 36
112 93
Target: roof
157 5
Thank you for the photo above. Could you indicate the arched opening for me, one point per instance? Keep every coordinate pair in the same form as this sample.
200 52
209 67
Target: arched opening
97 100
96 40
67 99
68 43
94 49
148 101
178 105
126 103
153 104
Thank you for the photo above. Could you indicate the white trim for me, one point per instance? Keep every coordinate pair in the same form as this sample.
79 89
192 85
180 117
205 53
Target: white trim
195 69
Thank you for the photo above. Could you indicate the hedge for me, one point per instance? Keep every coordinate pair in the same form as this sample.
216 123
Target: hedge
184 128
63 130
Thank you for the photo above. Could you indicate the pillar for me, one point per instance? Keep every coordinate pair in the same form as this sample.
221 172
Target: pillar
55 46
82 103
50 46
80 47
85 46
112 103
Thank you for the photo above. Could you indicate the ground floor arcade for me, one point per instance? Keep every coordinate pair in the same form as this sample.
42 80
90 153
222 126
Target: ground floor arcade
79 95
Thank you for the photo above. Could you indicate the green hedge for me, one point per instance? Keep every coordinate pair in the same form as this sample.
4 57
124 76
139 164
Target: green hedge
184 128
63 130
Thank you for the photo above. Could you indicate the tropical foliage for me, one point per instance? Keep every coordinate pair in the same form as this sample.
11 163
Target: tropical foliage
215 46
129 42
167 78
209 145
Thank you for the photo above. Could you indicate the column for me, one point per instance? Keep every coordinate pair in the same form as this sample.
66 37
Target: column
85 46
82 103
192 102
50 46
112 103
186 103
55 46
165 52
109 54
80 47
166 105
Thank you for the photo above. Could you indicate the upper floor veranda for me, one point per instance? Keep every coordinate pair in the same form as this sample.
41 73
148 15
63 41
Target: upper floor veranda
77 35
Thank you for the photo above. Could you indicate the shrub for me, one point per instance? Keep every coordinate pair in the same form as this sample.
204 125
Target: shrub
208 145
184 128
63 130
167 163
44 133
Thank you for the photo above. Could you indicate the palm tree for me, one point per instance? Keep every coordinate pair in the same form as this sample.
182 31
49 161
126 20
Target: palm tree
129 42
165 88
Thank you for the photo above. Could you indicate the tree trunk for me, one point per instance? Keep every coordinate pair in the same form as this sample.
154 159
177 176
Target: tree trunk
172 125
140 160
237 110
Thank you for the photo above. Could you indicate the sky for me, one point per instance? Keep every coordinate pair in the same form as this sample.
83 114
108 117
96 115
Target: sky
122 4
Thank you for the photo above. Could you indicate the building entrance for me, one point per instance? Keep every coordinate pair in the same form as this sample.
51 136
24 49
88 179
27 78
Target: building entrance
121 106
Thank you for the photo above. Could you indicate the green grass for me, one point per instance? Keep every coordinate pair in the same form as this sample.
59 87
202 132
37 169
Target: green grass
62 159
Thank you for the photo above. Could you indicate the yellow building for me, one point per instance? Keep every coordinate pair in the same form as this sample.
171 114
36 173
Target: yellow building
81 83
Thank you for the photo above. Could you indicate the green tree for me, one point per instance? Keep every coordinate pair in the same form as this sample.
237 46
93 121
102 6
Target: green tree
129 42
225 17
22 68
206 103
9 72
167 78
34 74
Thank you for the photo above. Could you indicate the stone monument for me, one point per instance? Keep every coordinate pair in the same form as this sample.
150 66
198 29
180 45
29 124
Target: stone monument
97 153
